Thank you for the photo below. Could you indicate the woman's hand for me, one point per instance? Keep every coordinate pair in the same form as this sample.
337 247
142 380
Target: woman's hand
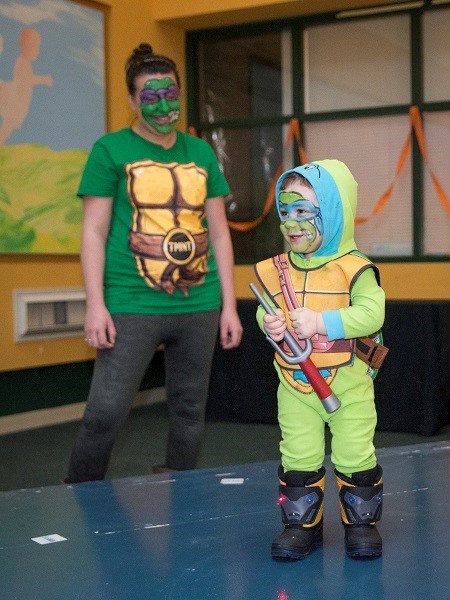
219 233
99 329
230 329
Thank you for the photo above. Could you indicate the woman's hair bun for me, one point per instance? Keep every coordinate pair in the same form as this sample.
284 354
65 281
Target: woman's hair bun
145 48
143 60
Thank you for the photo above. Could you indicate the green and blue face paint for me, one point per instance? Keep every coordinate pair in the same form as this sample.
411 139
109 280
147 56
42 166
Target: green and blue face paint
301 221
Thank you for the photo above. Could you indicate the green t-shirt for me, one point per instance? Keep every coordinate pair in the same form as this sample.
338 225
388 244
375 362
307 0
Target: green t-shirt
188 173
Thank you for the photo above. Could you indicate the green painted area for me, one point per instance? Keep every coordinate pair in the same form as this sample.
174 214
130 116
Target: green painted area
39 209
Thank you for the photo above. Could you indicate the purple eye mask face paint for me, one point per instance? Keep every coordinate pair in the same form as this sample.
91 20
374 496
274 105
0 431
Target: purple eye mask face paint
149 96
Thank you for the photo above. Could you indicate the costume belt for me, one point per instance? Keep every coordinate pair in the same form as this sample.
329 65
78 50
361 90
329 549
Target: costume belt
178 246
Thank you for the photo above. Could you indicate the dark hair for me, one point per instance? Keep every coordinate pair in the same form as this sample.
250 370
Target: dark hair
143 61
293 178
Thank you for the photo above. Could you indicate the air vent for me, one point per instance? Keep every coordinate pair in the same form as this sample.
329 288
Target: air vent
48 313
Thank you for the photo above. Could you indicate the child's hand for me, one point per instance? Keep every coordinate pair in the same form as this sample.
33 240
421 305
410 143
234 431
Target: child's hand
307 322
275 326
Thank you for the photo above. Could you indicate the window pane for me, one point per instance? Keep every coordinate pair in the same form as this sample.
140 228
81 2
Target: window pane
249 159
436 51
243 77
357 64
437 219
371 147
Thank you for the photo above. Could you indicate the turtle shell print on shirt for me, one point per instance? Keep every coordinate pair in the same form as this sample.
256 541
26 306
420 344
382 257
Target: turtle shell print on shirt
167 237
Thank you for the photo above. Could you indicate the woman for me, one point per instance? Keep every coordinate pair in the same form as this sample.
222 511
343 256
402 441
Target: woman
153 200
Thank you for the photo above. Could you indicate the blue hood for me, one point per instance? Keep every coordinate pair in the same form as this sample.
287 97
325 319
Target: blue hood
336 191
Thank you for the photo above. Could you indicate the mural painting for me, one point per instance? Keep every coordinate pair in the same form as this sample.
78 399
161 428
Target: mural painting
52 109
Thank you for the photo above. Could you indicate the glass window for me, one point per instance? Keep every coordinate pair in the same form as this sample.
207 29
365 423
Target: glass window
371 147
436 51
357 64
436 218
242 77
366 65
249 158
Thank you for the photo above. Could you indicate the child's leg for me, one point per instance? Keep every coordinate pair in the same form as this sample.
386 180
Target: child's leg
301 475
352 429
303 432
358 475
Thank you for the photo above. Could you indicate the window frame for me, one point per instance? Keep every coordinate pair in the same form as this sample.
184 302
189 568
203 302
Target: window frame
296 26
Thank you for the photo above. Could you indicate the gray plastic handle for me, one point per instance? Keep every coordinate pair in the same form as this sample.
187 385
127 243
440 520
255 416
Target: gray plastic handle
299 354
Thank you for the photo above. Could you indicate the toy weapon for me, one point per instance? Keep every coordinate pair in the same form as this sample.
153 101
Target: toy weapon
301 357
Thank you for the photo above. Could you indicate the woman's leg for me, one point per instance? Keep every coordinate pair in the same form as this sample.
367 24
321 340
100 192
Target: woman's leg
188 355
117 376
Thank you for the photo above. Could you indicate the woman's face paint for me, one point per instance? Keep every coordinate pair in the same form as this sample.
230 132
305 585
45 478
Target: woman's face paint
160 104
300 219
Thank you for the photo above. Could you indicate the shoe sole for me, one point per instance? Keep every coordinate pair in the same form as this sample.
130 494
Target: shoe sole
364 553
286 553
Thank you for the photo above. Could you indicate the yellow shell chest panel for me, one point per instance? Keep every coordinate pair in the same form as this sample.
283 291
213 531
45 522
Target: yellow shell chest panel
325 288
167 237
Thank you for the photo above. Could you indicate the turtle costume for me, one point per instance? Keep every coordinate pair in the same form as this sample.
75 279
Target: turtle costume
343 285
158 241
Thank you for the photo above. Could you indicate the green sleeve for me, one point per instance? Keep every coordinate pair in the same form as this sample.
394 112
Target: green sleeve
366 313
259 316
217 184
100 176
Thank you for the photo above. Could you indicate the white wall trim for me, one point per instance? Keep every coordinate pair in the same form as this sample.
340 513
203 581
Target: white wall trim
45 417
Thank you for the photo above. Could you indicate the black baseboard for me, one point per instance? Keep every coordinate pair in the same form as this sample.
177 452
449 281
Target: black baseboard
412 387
58 385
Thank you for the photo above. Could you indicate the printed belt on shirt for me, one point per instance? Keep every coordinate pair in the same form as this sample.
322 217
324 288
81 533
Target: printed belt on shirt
178 246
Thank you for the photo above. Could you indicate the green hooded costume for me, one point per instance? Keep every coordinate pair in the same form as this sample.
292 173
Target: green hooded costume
342 284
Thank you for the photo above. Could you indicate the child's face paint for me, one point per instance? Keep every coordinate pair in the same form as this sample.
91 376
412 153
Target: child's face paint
293 206
300 219
160 104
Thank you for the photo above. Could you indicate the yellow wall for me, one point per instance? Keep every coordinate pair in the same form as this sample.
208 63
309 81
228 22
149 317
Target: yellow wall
163 24
406 281
128 23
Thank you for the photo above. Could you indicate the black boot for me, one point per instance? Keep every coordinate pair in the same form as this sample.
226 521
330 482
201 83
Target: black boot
301 503
361 500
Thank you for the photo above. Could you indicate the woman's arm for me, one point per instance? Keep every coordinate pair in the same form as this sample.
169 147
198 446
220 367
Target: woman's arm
98 327
230 325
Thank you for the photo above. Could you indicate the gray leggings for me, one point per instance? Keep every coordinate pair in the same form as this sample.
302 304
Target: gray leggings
189 341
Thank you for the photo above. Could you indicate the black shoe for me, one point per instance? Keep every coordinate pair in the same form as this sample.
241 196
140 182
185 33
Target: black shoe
363 541
296 541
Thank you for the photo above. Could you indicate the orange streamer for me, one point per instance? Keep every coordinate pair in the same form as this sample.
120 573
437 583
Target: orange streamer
417 127
292 133
416 121
388 193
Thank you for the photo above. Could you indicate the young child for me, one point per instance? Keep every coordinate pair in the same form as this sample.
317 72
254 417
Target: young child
325 290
